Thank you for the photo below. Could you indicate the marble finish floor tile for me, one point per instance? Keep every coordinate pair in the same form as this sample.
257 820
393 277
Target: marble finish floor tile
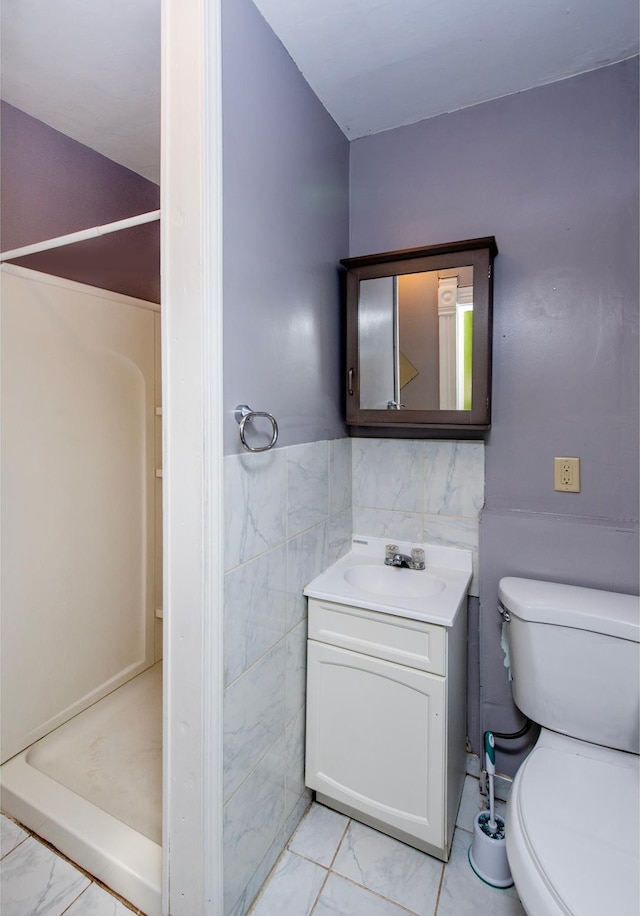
333 866
37 882
464 894
95 901
343 898
372 874
12 835
389 868
293 887
319 835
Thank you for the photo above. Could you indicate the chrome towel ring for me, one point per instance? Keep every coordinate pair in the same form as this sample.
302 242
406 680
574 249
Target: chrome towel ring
244 415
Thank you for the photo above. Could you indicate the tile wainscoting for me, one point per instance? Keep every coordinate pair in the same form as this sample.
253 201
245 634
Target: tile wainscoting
288 517
290 513
419 490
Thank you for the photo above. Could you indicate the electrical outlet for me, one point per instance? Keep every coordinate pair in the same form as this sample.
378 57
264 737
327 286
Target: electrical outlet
566 474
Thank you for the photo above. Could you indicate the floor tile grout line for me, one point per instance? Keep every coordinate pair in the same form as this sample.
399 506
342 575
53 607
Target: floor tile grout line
292 852
356 883
304 858
319 894
328 869
60 855
75 899
440 885
274 867
377 894
340 842
13 848
57 856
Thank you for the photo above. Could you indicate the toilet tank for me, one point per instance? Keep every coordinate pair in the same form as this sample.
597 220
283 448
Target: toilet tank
575 659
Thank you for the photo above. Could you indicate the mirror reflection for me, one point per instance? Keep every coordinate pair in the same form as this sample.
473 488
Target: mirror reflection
418 340
415 338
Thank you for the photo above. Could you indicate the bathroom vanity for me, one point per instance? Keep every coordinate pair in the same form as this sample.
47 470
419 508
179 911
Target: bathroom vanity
386 687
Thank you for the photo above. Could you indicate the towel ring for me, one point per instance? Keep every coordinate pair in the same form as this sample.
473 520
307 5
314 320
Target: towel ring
244 415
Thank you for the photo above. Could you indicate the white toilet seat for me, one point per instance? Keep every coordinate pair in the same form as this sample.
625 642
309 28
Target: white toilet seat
572 830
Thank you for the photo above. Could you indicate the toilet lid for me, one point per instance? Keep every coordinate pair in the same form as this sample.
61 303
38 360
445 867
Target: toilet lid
580 819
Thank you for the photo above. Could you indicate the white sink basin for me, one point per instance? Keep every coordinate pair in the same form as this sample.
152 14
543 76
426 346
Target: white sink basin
393 581
361 579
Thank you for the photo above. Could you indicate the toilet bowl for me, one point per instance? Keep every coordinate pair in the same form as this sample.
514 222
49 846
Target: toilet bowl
573 814
572 830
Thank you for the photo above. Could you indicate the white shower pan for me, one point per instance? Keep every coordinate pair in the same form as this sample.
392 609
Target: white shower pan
93 789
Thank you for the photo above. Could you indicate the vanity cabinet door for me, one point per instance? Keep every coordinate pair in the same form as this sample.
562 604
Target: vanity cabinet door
376 739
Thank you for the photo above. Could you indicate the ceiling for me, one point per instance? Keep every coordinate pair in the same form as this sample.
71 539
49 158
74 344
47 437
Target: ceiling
92 69
379 64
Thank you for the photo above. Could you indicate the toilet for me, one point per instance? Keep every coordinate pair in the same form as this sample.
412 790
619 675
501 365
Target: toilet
573 813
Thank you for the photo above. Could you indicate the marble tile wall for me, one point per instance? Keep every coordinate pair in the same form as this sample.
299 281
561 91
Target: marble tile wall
289 514
287 517
419 490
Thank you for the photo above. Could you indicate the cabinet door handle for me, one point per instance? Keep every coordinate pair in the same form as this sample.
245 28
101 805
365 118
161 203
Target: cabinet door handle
350 381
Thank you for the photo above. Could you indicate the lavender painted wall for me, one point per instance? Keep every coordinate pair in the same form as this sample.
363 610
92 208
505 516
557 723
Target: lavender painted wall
288 511
553 174
52 185
285 228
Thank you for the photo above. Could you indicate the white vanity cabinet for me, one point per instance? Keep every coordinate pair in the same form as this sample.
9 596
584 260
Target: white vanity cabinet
386 720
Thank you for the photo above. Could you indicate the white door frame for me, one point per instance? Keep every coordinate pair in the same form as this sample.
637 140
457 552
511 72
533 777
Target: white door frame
193 452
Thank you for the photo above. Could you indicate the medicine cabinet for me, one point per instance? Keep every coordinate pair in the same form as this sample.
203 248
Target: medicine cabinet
418 341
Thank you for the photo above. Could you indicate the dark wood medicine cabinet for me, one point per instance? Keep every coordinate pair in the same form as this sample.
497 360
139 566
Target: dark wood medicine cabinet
418 341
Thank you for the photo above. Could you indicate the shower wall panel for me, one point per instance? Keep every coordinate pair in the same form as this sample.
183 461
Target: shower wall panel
78 483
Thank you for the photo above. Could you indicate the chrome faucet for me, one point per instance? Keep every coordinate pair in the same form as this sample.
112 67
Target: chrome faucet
393 557
399 559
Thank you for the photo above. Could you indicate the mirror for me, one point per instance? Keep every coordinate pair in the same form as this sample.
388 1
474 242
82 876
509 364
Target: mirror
418 340
415 335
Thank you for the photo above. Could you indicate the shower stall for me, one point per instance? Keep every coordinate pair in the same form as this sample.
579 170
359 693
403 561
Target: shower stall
81 738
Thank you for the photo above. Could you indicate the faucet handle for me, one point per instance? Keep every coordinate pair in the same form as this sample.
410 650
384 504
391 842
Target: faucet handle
390 551
417 557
